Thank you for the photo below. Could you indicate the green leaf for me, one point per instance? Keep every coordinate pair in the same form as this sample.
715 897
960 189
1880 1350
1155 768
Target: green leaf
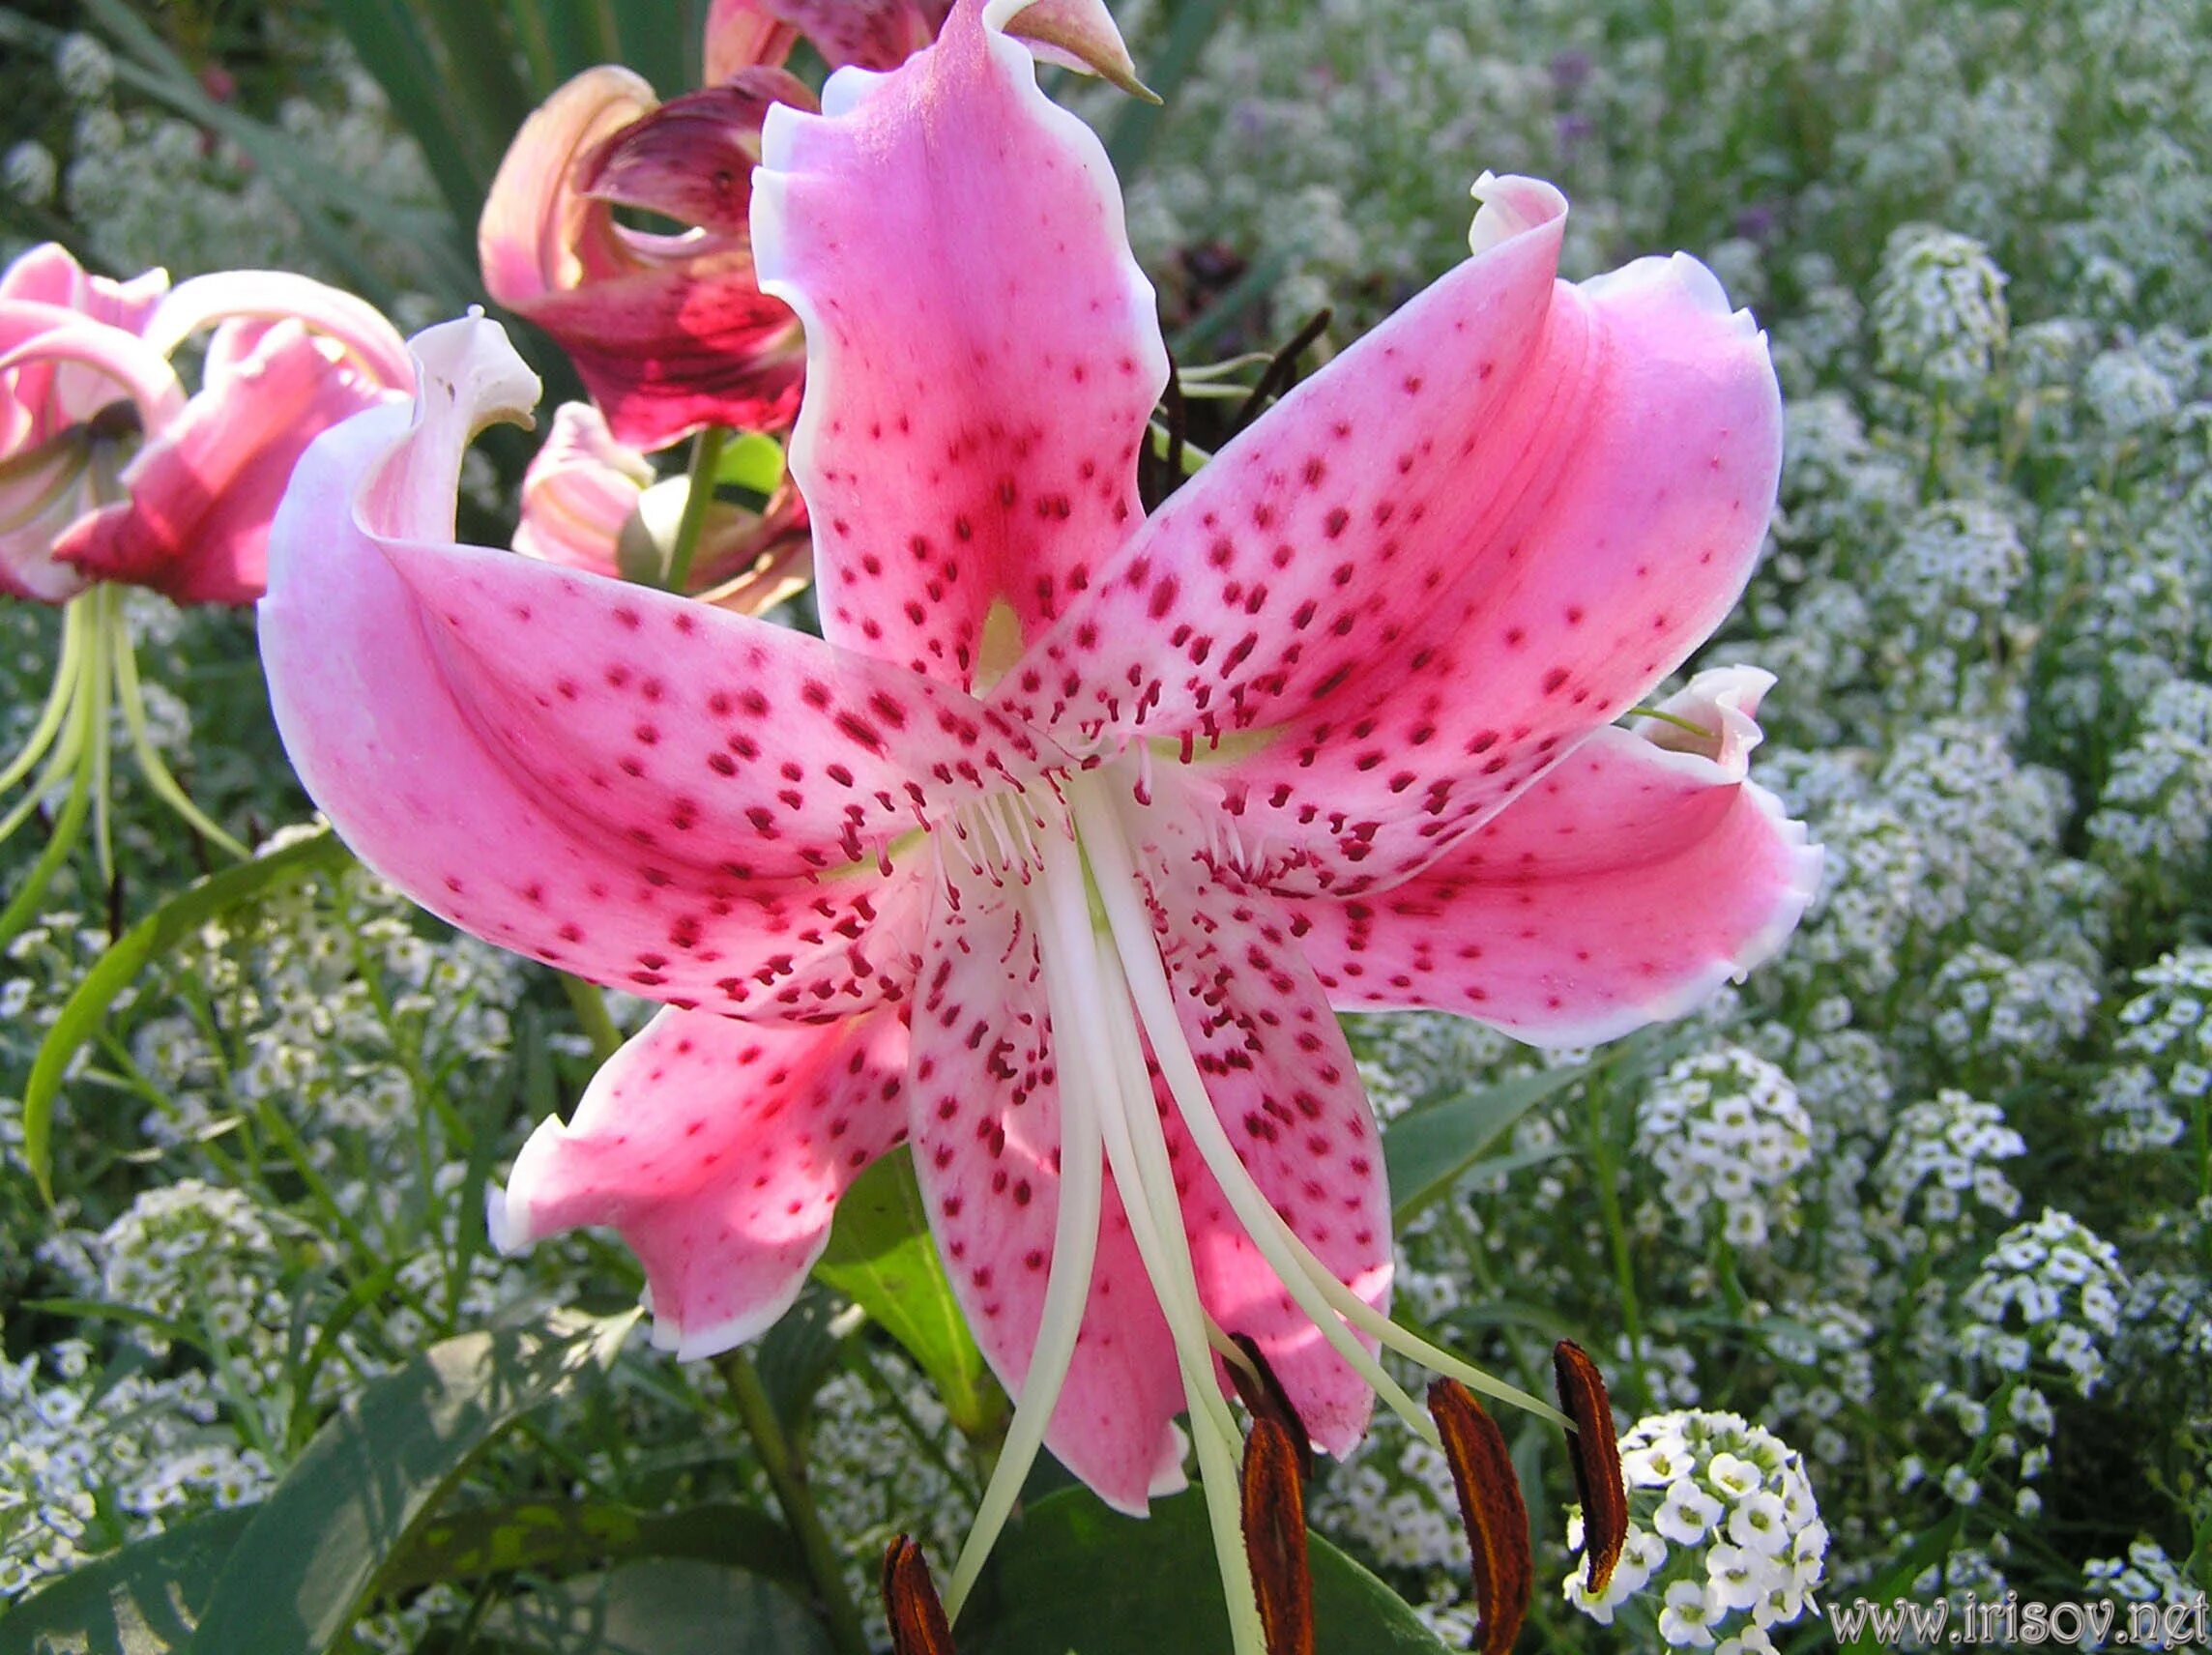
1138 123
750 460
300 1572
85 1011
881 1257
561 1537
144 1600
1431 1147
1076 1579
660 1606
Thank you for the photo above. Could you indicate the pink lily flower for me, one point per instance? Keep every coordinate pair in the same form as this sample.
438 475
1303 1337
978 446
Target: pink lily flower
85 379
1056 855
592 503
671 331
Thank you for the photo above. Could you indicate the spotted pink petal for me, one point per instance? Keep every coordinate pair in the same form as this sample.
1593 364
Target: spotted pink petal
718 1149
1623 888
1482 532
202 491
983 350
684 802
1283 1082
669 332
581 487
985 1112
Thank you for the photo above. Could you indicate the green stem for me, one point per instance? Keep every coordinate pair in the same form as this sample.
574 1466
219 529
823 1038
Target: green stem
591 1008
1603 1172
66 829
789 1480
74 619
150 765
706 458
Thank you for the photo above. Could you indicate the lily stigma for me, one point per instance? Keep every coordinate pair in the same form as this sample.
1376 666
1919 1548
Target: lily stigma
111 476
1057 854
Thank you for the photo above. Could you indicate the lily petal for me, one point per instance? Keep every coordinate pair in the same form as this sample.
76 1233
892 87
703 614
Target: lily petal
1283 1081
201 493
743 34
955 472
48 275
985 1113
580 489
669 332
1623 888
719 1148
1482 532
63 368
351 323
684 802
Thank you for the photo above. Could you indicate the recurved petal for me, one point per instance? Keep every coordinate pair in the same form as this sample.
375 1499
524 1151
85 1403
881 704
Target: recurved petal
680 800
1479 534
718 1149
58 369
371 345
668 333
1639 875
48 275
200 495
745 34
984 1105
983 350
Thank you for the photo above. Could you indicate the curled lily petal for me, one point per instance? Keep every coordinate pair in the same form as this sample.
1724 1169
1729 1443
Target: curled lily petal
354 325
693 159
1478 534
719 1148
1641 873
194 524
48 275
669 332
36 336
743 34
736 792
965 484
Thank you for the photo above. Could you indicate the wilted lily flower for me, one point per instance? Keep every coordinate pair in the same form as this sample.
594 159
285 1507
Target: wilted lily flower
1057 854
592 503
669 330
111 473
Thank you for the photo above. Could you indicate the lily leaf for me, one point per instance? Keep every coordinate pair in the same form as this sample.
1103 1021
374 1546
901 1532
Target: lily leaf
301 1571
83 1012
661 1606
881 1257
1431 1147
561 1537
1077 1578
144 1600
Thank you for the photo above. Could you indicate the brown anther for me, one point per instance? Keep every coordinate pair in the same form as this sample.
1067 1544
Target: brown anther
1264 1397
1274 1511
1596 1458
918 1626
1490 1506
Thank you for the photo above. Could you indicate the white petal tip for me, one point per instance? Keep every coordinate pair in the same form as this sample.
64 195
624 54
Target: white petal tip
1512 206
503 1222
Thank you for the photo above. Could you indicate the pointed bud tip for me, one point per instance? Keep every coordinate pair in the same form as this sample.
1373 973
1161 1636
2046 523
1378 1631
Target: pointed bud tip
1596 1455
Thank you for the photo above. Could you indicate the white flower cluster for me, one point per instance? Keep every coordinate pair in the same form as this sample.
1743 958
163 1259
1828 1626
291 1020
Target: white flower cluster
2154 819
2152 1101
2050 1288
2145 1575
1994 1018
1938 313
1723 1526
1726 1130
1943 1162
88 1460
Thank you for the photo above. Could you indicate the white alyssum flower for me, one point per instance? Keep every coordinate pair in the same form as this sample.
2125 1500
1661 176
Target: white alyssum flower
1723 1525
1727 1132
